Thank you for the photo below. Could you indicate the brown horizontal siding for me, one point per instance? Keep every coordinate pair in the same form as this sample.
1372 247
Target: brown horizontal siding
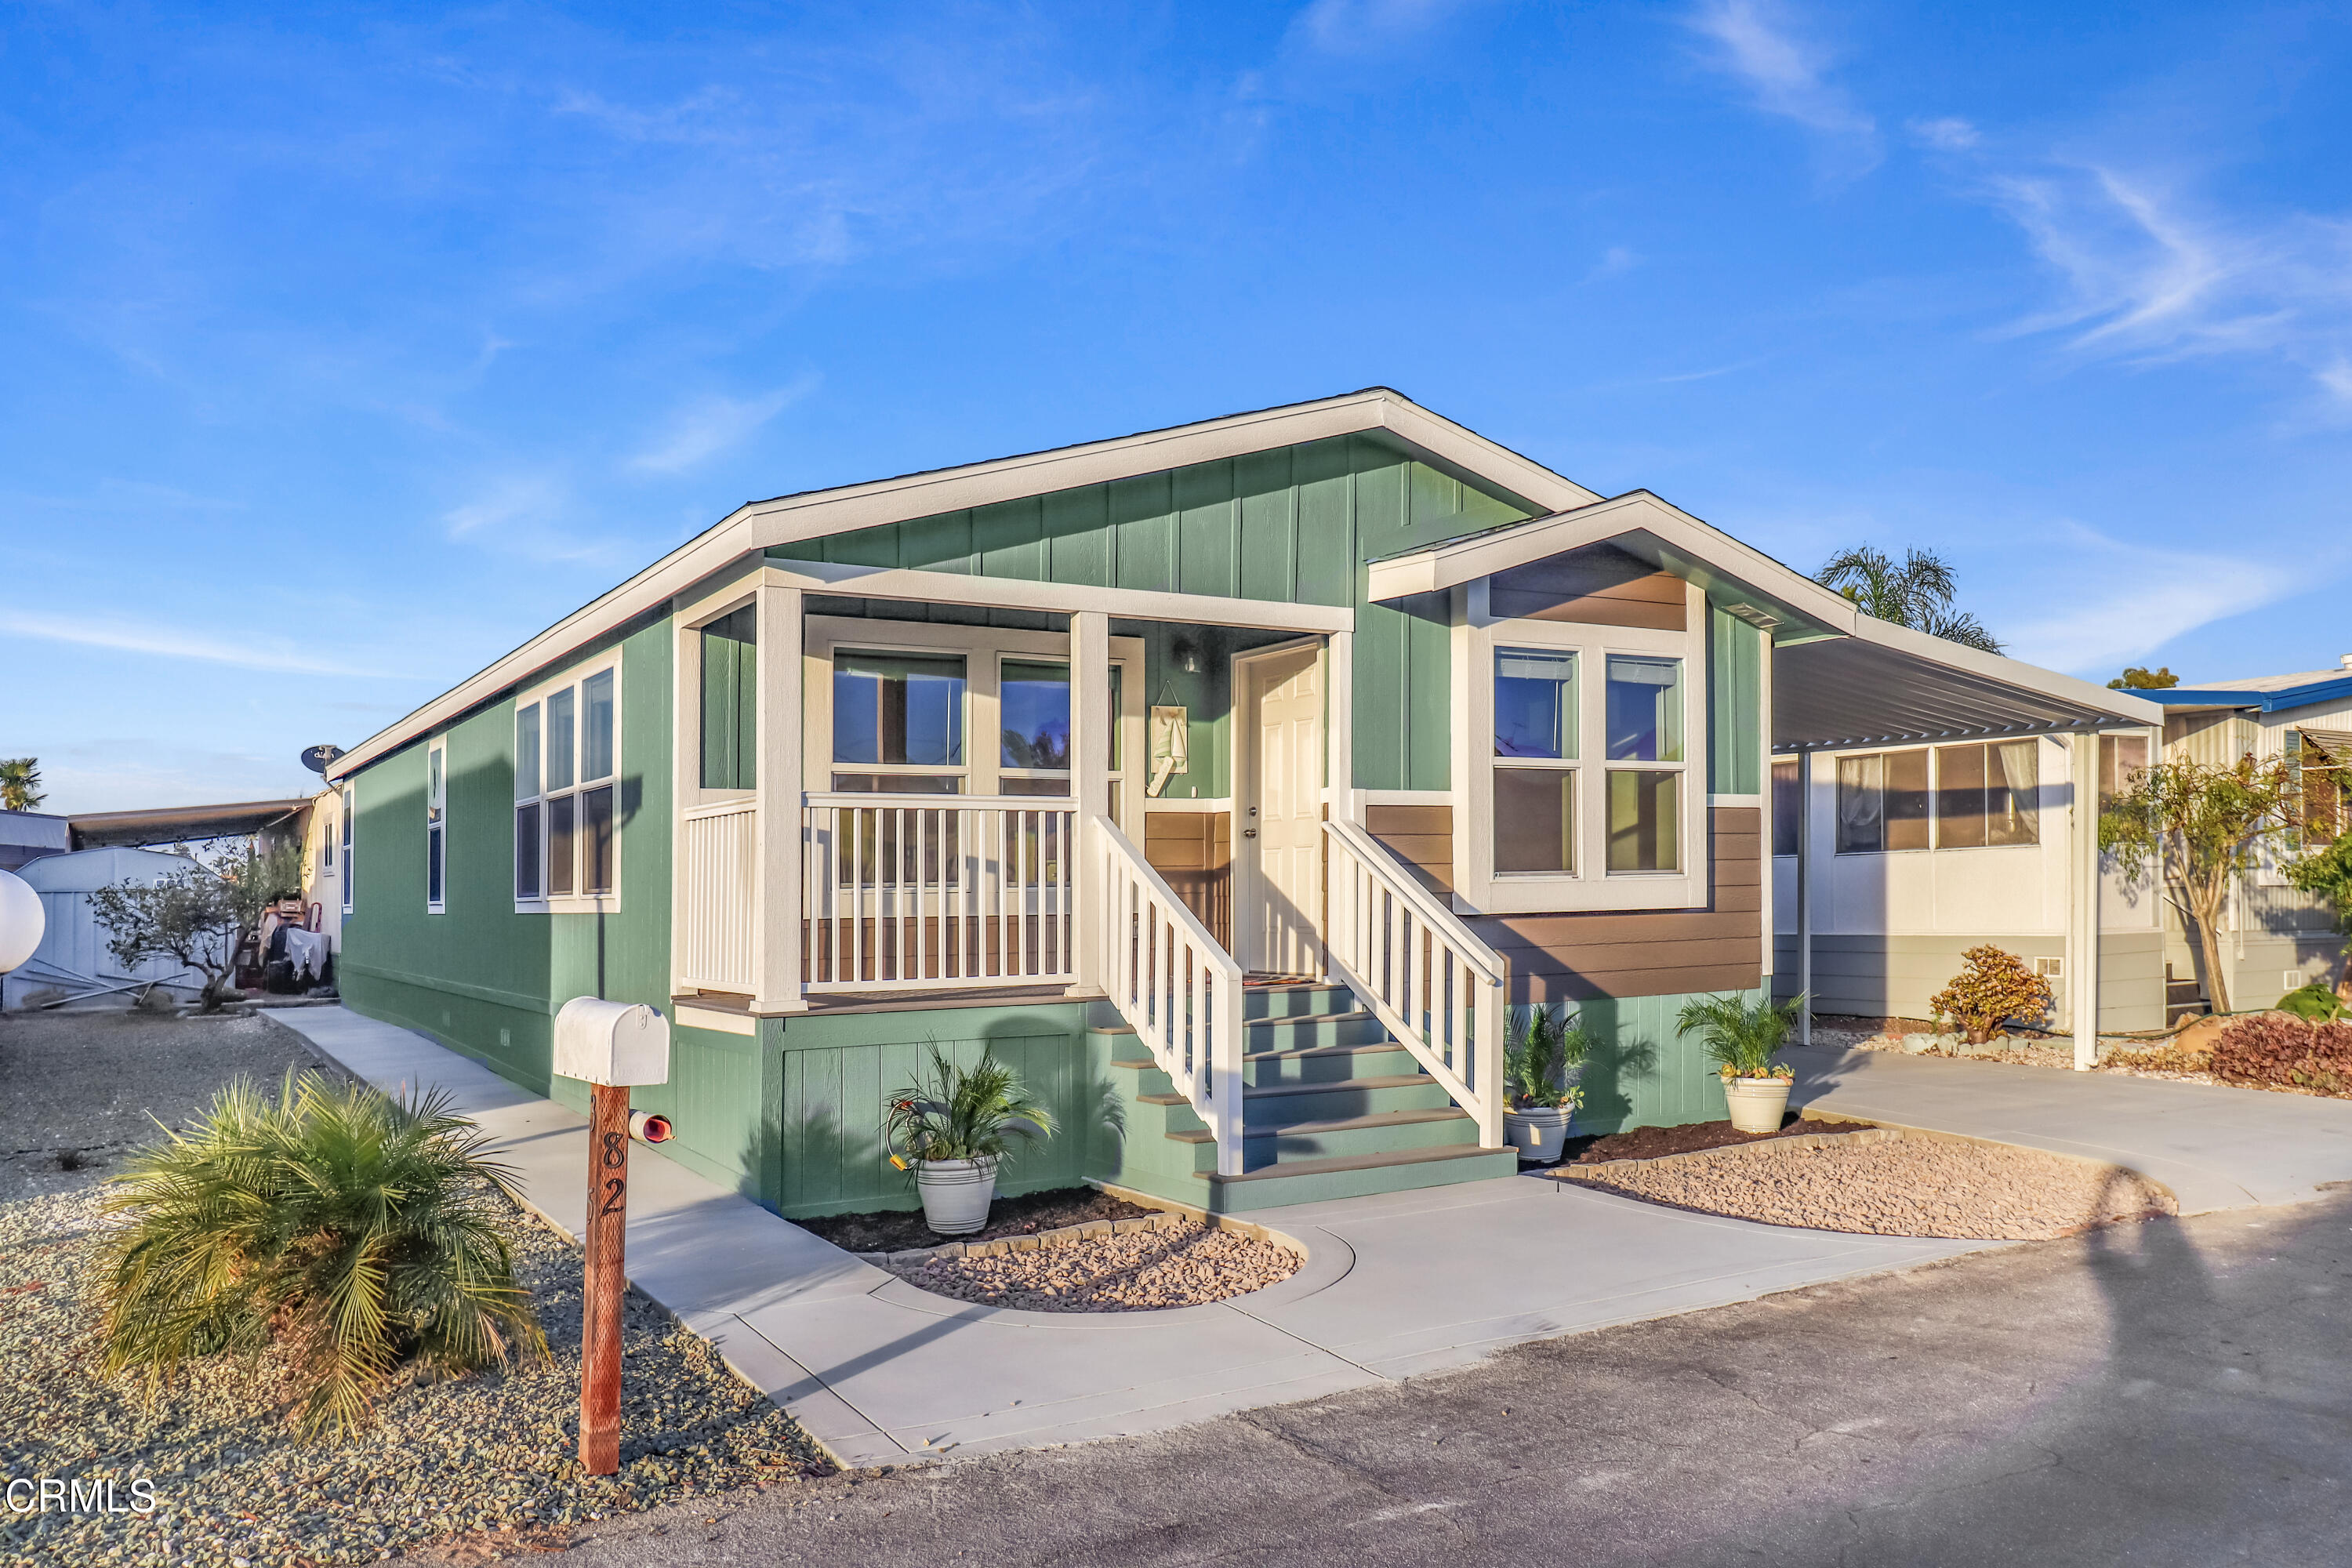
1193 853
1419 835
1598 585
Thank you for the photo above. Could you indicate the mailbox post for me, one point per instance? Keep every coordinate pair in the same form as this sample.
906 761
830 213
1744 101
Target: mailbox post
610 1045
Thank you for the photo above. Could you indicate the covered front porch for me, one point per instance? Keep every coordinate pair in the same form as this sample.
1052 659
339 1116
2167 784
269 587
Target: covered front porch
904 789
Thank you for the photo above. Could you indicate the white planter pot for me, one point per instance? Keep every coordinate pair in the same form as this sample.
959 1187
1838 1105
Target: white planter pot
1756 1103
1538 1134
956 1193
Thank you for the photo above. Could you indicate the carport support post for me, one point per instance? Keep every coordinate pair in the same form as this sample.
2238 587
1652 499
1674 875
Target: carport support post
1805 897
2083 899
600 1300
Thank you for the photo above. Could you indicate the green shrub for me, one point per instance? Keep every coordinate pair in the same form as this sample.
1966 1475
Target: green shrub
2280 1050
1992 987
1739 1037
2313 1004
356 1231
963 1113
1535 1065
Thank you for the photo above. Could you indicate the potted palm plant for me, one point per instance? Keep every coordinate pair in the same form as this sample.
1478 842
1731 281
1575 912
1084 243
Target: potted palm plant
1739 1037
952 1127
1540 1099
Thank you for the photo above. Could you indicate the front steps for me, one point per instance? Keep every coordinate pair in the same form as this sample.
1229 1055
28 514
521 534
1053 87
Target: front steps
1332 1108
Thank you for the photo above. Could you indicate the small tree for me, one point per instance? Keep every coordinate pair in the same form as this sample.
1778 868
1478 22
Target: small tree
1918 593
2136 678
1992 987
197 915
20 784
2328 873
2197 825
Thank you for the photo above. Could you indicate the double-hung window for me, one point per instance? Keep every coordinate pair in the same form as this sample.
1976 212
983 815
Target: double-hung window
1535 756
1646 764
349 813
566 756
437 826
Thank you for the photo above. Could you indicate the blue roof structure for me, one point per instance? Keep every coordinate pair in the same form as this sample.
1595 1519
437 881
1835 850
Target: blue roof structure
2319 687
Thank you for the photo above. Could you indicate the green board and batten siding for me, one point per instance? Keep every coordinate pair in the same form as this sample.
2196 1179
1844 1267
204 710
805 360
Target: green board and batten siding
1294 525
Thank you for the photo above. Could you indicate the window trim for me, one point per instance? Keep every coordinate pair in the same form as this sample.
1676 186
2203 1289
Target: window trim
349 840
1480 890
985 650
573 679
436 823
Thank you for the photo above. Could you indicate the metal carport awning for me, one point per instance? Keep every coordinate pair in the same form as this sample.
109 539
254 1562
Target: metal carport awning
1869 690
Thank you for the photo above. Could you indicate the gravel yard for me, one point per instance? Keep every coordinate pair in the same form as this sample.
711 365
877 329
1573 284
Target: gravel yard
1183 1264
1649 1142
80 1086
893 1230
232 1483
1900 1186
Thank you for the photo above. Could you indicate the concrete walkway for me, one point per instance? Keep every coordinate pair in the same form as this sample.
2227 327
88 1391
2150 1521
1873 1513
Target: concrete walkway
2216 1148
881 1373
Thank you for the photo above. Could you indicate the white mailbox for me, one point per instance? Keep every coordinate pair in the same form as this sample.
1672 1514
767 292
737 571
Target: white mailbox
613 1043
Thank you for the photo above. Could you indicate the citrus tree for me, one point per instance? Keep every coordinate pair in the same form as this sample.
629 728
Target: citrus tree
2196 825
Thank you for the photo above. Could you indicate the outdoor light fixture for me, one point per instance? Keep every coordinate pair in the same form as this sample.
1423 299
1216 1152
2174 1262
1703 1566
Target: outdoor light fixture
1184 655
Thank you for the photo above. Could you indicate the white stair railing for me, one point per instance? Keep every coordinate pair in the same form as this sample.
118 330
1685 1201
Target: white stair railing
915 891
1424 975
1176 987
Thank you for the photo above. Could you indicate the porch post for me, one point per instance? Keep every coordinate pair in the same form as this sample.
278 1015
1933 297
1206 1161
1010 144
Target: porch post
2083 899
776 891
1805 896
1340 727
1090 742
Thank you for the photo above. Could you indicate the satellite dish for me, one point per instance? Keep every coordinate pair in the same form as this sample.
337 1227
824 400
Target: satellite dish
21 920
316 758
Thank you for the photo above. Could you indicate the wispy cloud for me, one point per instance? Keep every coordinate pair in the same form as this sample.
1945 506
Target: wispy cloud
708 426
2151 274
1356 26
1948 134
1615 262
1759 43
2143 598
533 514
166 642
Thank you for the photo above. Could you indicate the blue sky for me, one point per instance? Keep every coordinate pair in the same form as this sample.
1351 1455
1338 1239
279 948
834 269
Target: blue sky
344 351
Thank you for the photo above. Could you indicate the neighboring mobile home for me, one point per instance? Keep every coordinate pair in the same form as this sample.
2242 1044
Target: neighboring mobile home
1230 781
2276 938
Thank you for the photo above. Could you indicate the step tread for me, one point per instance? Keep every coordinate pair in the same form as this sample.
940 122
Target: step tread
1336 1085
1297 1051
1349 1163
1336 1124
1161 1099
1289 1019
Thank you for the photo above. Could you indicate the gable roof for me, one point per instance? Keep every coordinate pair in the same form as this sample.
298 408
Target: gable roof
756 526
1843 679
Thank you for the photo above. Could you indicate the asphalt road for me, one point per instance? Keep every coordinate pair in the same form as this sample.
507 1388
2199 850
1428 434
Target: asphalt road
2174 1392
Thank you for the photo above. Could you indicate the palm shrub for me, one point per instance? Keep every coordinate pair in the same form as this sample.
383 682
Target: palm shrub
952 1112
1739 1036
1536 1066
356 1231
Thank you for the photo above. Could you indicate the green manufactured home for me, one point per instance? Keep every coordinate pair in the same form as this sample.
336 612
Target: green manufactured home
1232 780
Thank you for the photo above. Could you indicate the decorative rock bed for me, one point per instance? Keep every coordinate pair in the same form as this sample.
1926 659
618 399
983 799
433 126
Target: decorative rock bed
1135 1265
1884 1181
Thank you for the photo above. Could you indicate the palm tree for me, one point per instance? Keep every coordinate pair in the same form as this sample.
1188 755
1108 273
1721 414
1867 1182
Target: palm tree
20 784
1918 593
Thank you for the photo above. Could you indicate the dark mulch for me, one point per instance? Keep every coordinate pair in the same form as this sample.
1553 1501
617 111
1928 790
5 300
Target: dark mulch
1649 1142
895 1230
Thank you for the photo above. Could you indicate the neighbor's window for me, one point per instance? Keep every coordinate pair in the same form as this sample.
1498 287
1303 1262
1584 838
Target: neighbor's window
349 812
1985 795
901 716
565 753
1881 802
730 702
1786 802
2121 758
437 826
1645 725
2316 758
1535 759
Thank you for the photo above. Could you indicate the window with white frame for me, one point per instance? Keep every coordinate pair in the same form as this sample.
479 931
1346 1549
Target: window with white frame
1645 726
567 753
898 721
437 826
1536 747
1034 728
1976 795
350 810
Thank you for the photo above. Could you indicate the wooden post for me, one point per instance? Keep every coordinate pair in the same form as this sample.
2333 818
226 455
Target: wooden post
1090 742
600 1301
1805 895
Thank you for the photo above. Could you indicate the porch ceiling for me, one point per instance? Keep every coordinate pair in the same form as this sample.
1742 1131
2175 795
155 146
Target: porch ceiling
1864 690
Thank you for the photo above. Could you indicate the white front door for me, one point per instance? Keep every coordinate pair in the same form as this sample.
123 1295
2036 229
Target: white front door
1282 814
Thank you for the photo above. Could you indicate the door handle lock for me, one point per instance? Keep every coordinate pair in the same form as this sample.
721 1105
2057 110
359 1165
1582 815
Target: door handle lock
1249 833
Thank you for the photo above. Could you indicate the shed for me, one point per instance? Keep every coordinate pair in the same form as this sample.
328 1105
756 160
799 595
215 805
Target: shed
73 955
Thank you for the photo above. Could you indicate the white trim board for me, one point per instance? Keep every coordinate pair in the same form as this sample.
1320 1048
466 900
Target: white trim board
785 520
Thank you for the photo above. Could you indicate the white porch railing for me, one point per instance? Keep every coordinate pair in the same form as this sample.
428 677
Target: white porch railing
1177 989
926 890
721 850
1422 971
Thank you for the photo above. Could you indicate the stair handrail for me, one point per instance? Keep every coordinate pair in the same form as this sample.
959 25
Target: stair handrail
1381 917
1174 983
